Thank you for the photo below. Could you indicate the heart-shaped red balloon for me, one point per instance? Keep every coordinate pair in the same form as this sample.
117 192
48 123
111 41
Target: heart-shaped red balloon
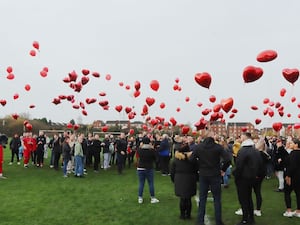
119 108
104 128
252 73
173 121
212 98
291 75
128 109
137 85
162 105
297 126
203 79
277 126
282 92
185 130
150 101
201 124
257 121
28 127
15 116
266 56
136 93
227 104
85 72
84 80
3 102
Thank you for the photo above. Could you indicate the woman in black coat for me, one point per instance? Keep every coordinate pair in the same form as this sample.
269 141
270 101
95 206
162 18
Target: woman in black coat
184 175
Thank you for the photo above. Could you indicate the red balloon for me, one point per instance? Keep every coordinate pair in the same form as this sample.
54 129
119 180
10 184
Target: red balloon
244 129
199 104
293 99
56 101
217 107
43 73
162 105
296 126
131 131
105 128
119 108
214 116
257 121
70 126
187 99
84 80
270 112
254 107
84 112
277 105
154 84
291 75
27 87
10 76
288 115
73 76
203 79
281 113
102 93
201 124
185 130
85 72
15 116
277 126
82 105
28 127
234 110
227 104
90 100
108 77
103 103
9 69
136 93
266 101
137 85
206 111
3 102
128 109
173 121
121 84
266 56
36 45
32 52
31 106
76 126
145 109
127 87
175 87
96 74
231 115
178 109
67 80
282 92
150 101
46 69
212 98
252 73
16 96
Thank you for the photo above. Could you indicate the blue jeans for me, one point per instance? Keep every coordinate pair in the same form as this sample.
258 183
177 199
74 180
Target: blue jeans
214 183
143 175
66 161
78 165
226 176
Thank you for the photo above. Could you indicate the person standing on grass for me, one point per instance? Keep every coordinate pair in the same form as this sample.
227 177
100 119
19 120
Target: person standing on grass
121 148
56 150
66 154
78 154
210 156
145 169
164 155
96 150
106 152
247 165
184 175
41 141
28 144
14 145
292 180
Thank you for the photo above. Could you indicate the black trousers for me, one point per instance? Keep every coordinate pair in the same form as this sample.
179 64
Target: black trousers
244 191
295 186
121 159
96 156
13 153
40 156
185 206
56 159
164 164
257 191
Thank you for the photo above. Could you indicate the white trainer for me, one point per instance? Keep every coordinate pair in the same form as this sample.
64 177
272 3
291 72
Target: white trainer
257 212
154 200
288 214
239 212
140 200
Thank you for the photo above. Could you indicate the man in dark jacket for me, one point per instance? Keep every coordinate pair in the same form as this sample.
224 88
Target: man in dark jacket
247 164
210 156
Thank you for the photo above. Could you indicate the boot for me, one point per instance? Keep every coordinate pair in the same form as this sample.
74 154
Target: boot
182 209
188 208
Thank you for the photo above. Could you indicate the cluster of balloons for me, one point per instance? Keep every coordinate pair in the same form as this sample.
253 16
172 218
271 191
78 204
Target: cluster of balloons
77 81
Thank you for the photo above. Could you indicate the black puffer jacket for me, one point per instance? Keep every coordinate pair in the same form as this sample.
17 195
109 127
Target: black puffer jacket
184 174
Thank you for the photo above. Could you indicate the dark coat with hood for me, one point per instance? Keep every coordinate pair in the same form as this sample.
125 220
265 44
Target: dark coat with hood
184 174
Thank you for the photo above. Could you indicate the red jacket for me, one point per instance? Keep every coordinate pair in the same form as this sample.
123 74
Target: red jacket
1 154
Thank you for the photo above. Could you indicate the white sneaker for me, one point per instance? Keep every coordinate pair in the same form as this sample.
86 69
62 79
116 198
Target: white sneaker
10 163
257 212
288 214
154 200
295 214
18 163
140 200
239 212
3 177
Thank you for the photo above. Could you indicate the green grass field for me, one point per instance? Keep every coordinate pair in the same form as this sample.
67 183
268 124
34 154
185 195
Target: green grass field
41 196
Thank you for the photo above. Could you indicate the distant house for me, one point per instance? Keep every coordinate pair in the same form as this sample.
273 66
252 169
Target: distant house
236 129
98 124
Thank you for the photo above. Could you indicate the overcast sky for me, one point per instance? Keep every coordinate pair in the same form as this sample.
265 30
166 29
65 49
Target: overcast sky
135 40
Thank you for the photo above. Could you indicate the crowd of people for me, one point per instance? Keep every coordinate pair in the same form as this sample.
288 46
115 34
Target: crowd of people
207 162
